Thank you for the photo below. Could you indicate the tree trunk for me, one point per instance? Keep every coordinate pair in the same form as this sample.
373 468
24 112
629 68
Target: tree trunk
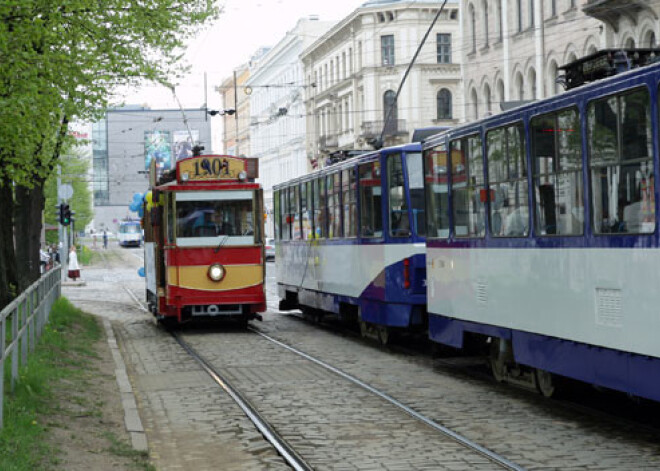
8 276
27 220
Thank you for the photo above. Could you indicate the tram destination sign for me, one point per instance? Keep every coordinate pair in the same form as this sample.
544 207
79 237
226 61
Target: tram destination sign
210 168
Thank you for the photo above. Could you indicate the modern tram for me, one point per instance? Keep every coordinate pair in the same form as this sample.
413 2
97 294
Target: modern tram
543 237
204 251
350 242
130 233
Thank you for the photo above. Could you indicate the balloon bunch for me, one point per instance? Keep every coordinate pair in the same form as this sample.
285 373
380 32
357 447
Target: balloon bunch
136 205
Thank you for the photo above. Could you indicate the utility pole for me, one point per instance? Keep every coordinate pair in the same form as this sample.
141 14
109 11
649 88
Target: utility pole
236 114
61 230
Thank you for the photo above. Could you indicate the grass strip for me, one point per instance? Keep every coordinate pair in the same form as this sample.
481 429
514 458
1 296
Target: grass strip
65 352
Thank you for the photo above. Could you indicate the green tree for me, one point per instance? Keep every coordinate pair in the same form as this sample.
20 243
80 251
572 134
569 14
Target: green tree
61 61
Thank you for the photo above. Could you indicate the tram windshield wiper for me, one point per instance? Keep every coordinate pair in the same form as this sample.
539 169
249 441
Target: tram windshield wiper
222 242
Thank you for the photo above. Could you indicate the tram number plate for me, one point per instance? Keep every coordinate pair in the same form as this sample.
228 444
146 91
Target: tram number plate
212 168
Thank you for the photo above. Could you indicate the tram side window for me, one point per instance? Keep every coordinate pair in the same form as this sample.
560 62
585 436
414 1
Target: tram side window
337 213
370 200
284 218
507 182
294 212
467 187
305 210
557 167
350 202
399 222
416 190
276 215
320 209
620 163
334 210
436 181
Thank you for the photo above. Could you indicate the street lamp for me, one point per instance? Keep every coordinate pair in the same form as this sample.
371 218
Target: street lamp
229 112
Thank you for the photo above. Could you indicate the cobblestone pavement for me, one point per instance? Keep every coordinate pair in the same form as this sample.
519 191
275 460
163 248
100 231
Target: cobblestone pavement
331 422
191 424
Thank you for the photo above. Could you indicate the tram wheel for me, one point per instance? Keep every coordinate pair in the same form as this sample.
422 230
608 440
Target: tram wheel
544 382
497 365
383 334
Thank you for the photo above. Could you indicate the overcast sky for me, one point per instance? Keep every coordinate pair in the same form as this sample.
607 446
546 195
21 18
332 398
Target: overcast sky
243 27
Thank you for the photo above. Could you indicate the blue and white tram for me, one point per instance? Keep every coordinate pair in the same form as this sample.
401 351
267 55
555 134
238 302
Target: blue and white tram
130 233
350 241
543 236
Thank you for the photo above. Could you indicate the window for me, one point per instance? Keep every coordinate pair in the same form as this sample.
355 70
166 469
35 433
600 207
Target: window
398 208
500 29
277 220
486 32
320 210
387 49
507 180
294 213
437 191
531 13
350 204
620 162
520 15
201 216
444 48
553 8
334 206
284 218
467 187
306 193
444 104
370 200
557 166
415 172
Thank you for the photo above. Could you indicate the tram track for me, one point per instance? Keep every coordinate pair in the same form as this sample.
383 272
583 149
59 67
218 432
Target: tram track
288 451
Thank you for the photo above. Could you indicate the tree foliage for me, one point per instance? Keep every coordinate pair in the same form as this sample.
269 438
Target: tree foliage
60 61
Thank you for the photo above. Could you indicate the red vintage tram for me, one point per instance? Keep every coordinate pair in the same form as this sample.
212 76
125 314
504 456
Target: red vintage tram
204 253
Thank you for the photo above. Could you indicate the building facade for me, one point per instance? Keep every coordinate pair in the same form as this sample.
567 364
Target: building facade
513 48
123 145
353 73
277 112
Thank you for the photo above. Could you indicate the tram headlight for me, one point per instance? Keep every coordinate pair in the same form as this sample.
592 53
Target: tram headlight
216 272
242 176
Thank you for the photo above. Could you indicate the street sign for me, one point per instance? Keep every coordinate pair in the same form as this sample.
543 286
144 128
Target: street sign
65 191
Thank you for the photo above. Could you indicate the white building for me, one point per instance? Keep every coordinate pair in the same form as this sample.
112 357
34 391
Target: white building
513 48
354 71
277 122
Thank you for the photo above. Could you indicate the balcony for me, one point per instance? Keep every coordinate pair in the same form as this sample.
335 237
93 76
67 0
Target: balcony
612 11
395 127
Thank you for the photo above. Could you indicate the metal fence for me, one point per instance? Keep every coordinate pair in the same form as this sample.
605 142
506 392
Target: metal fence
23 321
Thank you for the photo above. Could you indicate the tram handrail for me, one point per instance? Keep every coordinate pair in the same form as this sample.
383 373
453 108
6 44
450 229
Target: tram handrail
26 315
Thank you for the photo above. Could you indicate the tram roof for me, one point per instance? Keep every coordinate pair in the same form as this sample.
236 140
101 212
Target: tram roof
603 87
366 157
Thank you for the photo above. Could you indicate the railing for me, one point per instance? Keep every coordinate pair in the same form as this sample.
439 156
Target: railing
26 315
394 127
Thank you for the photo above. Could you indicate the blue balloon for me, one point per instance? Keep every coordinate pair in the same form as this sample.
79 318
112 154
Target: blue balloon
141 272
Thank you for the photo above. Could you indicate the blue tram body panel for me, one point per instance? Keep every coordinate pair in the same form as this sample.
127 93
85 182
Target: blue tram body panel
576 294
381 273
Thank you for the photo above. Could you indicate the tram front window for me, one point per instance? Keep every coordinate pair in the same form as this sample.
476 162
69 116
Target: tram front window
213 218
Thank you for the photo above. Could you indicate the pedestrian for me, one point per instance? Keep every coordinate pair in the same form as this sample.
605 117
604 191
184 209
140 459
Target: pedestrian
105 239
74 269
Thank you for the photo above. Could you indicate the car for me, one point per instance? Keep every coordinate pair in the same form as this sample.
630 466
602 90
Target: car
270 249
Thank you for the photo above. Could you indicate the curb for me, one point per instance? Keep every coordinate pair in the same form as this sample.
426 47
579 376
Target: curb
131 417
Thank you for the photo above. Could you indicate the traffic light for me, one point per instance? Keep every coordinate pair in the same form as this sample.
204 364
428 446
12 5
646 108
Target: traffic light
65 214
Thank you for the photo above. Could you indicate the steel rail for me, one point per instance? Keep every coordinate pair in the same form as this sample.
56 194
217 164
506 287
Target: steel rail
285 450
492 456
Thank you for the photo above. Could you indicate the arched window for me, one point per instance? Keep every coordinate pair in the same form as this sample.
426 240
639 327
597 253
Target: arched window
444 104
520 86
500 92
649 40
488 100
475 105
630 43
389 103
531 78
553 86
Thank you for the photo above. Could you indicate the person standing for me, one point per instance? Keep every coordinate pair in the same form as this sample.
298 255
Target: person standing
74 268
105 239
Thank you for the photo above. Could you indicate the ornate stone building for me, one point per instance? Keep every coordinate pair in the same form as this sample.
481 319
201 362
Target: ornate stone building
352 74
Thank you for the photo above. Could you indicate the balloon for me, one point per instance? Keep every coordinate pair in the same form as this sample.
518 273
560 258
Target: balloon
141 272
148 199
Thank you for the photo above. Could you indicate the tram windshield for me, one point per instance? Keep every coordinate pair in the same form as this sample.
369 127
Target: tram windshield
204 217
